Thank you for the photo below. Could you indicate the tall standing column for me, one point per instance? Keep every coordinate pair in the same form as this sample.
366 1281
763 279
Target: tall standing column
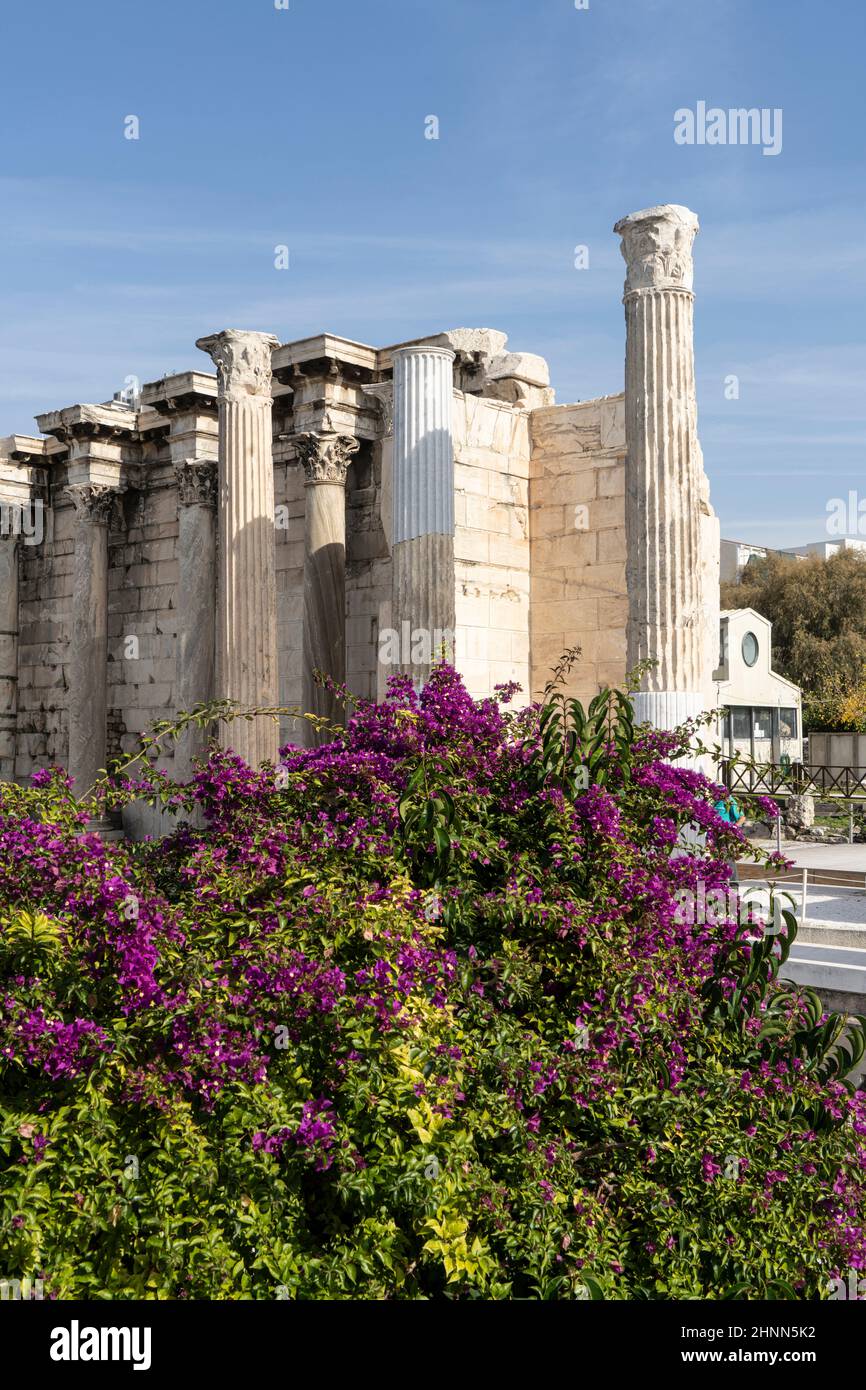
325 459
664 473
422 611
246 627
88 649
196 619
8 652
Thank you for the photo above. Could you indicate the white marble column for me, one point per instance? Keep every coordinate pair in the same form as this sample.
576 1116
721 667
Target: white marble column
87 706
422 606
667 616
325 459
8 653
246 629
196 599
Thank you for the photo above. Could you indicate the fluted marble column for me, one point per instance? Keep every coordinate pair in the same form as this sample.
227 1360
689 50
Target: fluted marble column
246 629
8 652
325 459
87 706
664 471
422 608
196 619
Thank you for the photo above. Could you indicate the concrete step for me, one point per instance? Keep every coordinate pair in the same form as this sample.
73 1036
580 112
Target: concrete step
831 934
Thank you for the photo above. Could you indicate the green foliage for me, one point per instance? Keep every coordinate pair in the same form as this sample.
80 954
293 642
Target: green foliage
818 611
415 1020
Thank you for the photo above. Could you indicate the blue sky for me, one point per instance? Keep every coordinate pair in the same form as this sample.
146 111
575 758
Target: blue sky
305 127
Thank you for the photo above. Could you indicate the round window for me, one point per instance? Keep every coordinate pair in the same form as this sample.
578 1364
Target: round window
750 648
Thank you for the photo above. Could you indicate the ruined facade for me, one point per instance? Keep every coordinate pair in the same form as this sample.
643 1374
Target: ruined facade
328 505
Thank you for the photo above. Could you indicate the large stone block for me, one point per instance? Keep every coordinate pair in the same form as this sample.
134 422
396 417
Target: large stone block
483 514
508 553
576 548
611 481
612 545
613 612
471 548
470 478
575 484
159 596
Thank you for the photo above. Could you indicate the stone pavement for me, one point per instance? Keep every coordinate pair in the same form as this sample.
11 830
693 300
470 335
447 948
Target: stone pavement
811 855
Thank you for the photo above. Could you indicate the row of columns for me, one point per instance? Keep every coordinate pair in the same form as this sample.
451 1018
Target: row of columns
228 650
226 529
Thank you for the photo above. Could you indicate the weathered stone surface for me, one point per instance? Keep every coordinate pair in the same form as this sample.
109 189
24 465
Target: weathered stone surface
8 653
800 812
486 342
246 630
665 483
523 366
472 504
95 507
196 605
325 460
422 532
657 247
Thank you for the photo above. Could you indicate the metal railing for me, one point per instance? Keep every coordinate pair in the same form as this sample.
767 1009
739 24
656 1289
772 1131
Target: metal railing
795 779
802 878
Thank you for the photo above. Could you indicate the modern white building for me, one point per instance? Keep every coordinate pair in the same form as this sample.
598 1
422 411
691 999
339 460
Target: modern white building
735 555
825 549
763 713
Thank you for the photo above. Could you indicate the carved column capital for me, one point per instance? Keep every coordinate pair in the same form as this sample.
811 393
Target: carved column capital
94 503
657 248
383 392
196 482
325 457
243 363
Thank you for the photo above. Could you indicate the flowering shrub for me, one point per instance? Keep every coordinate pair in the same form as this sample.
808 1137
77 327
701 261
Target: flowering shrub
414 1016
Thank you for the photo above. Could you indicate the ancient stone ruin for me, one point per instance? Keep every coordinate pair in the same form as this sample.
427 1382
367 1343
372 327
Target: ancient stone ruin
327 505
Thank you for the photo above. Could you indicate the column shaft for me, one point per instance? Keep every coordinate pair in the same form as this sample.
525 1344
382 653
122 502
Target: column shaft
88 649
423 598
663 570
246 628
325 460
8 653
196 549
664 472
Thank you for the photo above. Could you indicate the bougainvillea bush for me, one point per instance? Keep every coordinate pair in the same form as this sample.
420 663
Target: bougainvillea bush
417 1014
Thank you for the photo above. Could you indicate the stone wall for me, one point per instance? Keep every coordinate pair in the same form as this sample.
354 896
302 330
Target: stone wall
142 615
491 543
45 595
577 529
432 486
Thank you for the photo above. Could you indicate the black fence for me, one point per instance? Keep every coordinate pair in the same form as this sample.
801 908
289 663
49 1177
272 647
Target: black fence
796 779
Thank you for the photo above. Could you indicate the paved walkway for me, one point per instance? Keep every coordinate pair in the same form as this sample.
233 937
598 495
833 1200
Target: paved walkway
809 855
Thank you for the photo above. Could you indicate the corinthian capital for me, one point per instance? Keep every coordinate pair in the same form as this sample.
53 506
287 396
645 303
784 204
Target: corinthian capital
325 457
657 248
243 363
196 482
383 392
94 503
